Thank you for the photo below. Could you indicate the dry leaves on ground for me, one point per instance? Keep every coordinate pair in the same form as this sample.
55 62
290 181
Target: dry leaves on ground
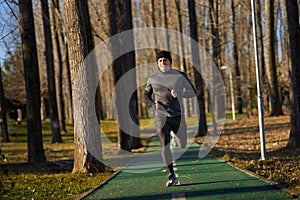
240 143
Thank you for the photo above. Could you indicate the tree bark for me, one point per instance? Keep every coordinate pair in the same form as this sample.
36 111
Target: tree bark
3 121
294 36
164 5
85 137
32 82
236 62
56 135
120 19
129 62
199 83
59 83
91 45
276 106
261 46
64 73
213 14
114 14
182 51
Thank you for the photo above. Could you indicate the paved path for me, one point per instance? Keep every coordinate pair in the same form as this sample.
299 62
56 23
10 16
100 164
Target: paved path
207 178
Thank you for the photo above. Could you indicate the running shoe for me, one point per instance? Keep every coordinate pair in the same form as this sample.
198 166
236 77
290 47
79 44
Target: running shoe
172 180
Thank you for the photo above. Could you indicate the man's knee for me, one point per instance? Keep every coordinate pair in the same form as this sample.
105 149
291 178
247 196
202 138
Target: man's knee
159 132
162 137
181 138
182 144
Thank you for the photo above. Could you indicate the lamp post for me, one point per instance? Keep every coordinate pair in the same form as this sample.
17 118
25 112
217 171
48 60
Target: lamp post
231 90
259 95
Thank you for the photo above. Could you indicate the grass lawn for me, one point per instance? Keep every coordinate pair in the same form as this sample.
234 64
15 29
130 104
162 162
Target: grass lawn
50 180
53 179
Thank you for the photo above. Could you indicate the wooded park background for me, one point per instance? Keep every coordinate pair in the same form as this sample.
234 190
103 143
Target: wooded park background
43 43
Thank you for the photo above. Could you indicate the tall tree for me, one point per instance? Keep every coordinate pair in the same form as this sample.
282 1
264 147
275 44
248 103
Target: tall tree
32 81
120 19
214 23
261 48
216 56
90 45
294 36
199 83
164 8
276 106
56 135
153 20
3 121
65 63
114 14
182 52
85 138
180 27
59 74
236 61
129 62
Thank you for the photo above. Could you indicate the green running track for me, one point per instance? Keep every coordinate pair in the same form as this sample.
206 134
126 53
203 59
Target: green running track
207 178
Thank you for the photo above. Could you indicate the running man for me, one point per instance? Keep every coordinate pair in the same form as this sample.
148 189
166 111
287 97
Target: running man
169 87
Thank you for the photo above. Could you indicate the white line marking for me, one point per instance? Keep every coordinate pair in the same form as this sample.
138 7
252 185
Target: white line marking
178 196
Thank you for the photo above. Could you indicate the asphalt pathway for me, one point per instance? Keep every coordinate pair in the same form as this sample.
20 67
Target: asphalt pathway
207 178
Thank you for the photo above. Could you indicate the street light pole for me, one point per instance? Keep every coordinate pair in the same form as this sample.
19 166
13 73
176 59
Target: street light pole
259 95
231 90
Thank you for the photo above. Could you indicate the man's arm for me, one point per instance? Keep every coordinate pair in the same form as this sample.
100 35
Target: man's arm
189 90
148 95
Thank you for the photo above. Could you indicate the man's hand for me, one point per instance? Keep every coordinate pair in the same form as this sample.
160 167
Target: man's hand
174 93
156 105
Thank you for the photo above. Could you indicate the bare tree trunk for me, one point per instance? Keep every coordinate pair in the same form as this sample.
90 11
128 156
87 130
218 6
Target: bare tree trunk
276 106
294 36
153 21
91 46
261 46
199 83
32 81
3 121
56 135
249 87
213 14
182 48
59 74
69 98
85 138
204 43
64 74
114 10
236 62
129 62
121 10
166 22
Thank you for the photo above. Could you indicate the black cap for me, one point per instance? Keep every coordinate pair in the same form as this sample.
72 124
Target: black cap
164 54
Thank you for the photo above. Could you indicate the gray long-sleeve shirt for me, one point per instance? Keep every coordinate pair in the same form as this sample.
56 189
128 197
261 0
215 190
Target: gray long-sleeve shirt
161 83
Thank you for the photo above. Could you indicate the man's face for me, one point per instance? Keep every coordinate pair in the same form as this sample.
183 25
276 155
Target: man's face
164 64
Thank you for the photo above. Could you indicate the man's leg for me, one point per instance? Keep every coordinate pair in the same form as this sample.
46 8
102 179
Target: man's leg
166 153
163 132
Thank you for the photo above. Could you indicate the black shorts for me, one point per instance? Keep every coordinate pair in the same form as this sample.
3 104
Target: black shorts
166 124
